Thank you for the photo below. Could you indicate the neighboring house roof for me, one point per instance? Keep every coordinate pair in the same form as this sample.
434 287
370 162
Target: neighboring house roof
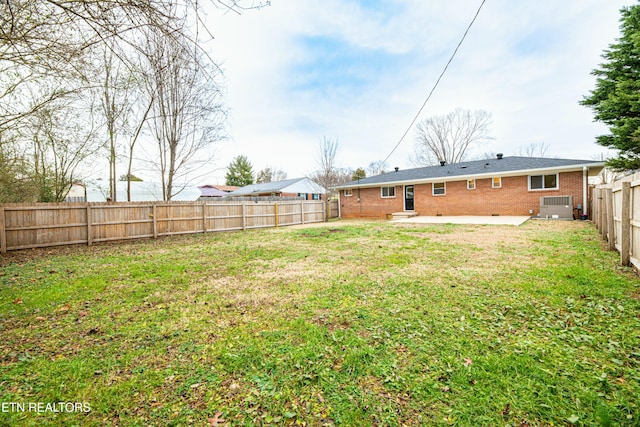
211 191
505 166
297 185
225 188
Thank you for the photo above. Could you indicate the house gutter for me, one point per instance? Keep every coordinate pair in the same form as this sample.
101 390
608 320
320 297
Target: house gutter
453 178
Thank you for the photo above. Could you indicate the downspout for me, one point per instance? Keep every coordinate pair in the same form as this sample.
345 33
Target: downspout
585 188
359 201
339 202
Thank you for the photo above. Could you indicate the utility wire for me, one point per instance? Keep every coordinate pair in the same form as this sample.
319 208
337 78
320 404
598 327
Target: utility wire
437 82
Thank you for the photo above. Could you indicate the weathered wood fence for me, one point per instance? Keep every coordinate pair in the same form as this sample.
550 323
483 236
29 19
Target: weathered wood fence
616 213
24 226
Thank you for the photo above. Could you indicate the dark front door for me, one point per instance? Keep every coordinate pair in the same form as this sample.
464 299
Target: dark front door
408 198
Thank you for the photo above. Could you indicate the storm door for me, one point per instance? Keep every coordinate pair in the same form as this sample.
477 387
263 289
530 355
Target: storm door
408 198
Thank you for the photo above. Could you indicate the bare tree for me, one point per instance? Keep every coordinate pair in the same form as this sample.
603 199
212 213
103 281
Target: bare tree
49 51
449 138
125 106
55 37
132 143
62 142
186 116
113 105
377 168
535 149
270 174
328 175
16 184
278 175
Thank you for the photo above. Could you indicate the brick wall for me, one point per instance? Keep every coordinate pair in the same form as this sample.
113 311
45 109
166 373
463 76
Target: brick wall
372 204
514 198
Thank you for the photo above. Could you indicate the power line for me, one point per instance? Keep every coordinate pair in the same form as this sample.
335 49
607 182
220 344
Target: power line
437 81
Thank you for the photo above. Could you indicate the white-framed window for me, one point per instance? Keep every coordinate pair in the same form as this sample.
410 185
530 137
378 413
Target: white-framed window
496 182
348 193
386 192
315 196
439 188
543 182
471 184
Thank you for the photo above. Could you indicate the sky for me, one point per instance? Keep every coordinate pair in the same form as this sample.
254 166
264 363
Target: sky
298 71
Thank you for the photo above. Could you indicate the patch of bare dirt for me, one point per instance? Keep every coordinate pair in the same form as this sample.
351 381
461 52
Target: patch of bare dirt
491 236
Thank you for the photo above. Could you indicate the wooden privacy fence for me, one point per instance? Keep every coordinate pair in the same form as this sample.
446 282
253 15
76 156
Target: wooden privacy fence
616 213
24 226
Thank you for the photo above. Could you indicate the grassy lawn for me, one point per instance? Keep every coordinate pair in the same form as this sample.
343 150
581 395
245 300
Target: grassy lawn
352 323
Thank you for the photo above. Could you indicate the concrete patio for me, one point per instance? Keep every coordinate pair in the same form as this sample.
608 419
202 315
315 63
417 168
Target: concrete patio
482 220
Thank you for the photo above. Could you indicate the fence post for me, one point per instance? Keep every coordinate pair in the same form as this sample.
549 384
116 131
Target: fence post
603 213
89 226
593 215
244 216
3 235
601 209
302 212
610 226
625 233
277 222
154 214
204 217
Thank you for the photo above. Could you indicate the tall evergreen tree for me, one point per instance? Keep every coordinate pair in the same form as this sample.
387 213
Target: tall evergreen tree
359 173
239 172
615 100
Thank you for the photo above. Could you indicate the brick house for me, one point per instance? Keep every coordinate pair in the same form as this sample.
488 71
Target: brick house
498 186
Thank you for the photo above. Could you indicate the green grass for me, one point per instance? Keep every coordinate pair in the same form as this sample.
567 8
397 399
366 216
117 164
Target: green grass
347 324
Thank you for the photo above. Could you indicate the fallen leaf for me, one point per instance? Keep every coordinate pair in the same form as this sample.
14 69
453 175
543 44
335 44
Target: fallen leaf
64 308
467 361
216 419
40 318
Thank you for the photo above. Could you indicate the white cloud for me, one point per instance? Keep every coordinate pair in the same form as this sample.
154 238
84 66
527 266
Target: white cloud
527 63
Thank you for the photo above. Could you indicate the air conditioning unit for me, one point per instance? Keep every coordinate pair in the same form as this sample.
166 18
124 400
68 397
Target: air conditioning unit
556 207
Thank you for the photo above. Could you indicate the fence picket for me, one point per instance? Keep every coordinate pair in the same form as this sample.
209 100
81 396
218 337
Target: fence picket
3 236
51 224
616 213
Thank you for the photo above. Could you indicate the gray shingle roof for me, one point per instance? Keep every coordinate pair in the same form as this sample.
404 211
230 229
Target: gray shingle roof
487 167
296 185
